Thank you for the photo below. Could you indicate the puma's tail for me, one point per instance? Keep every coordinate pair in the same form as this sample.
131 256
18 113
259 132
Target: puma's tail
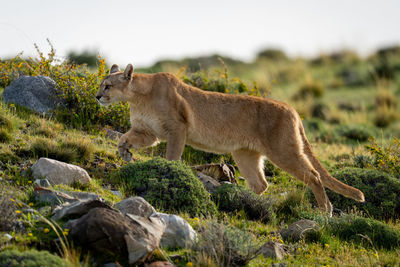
327 179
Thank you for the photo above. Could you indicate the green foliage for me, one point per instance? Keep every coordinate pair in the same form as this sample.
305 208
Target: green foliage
30 258
381 192
168 185
5 122
232 198
292 207
311 89
355 133
365 230
86 57
83 147
77 86
226 245
272 54
387 158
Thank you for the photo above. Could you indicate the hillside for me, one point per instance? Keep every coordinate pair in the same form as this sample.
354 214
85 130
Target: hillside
349 106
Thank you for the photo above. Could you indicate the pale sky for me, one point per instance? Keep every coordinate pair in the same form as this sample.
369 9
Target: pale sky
141 32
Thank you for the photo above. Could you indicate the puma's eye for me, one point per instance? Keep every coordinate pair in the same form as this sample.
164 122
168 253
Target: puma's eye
107 87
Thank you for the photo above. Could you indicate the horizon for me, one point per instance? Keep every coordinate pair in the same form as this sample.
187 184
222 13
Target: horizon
144 33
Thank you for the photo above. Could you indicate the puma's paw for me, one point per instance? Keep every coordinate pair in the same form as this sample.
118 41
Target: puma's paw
123 151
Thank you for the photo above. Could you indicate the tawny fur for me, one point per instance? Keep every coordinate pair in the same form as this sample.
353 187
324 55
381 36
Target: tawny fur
164 108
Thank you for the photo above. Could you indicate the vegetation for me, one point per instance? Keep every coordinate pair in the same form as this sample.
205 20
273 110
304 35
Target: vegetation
30 258
168 185
349 107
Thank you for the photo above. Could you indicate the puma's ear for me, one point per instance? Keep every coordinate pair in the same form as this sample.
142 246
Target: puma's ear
128 71
114 68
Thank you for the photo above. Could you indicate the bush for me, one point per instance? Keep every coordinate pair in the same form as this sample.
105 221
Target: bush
365 230
387 158
272 54
168 185
320 111
309 89
381 192
30 258
357 133
232 198
226 245
385 116
293 206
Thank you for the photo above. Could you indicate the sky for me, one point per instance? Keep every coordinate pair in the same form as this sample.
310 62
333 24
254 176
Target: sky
142 32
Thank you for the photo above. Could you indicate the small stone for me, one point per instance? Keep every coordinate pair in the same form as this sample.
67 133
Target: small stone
58 172
298 229
113 134
77 208
136 206
42 182
272 250
178 232
209 183
45 195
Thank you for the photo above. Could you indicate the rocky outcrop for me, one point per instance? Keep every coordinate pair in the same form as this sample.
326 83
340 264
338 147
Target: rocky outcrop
57 172
109 232
37 93
77 208
298 229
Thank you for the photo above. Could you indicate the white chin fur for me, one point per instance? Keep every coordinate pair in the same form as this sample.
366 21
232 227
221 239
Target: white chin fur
104 104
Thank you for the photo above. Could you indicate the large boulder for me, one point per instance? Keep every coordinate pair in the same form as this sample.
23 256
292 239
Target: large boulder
58 172
108 232
37 93
136 206
178 232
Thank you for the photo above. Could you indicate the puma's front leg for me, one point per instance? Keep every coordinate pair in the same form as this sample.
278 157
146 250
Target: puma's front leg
134 139
175 143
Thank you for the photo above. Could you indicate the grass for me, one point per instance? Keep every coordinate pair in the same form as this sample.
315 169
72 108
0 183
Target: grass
341 242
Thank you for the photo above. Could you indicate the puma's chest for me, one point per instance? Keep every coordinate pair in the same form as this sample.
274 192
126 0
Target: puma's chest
148 121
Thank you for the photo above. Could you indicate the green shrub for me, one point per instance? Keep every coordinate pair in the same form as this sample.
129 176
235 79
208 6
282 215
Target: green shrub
293 206
272 54
168 185
30 258
387 158
232 198
366 231
270 169
5 136
381 192
42 147
309 89
320 111
226 245
357 133
385 116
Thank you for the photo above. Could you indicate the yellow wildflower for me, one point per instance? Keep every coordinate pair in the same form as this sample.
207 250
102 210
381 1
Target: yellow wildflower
46 230
327 245
17 211
189 264
13 200
30 204
196 219
30 234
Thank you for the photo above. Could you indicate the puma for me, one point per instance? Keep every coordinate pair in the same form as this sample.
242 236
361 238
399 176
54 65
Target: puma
164 108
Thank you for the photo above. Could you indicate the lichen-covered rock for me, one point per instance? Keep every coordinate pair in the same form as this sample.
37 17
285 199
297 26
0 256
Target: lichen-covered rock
58 172
37 93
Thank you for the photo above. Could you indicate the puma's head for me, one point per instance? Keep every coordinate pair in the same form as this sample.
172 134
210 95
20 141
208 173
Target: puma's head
113 87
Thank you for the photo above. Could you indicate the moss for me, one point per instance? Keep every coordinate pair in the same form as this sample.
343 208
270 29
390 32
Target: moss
30 258
168 185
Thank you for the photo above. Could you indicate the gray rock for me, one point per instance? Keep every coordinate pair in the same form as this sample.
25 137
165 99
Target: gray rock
8 237
105 231
272 250
220 172
58 172
82 195
160 264
42 182
136 206
178 232
77 208
209 183
113 134
37 93
45 195
298 229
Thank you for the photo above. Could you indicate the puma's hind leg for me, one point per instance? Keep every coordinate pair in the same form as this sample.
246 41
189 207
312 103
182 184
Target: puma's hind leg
251 166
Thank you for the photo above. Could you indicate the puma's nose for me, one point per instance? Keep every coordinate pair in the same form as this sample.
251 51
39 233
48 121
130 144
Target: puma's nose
98 97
